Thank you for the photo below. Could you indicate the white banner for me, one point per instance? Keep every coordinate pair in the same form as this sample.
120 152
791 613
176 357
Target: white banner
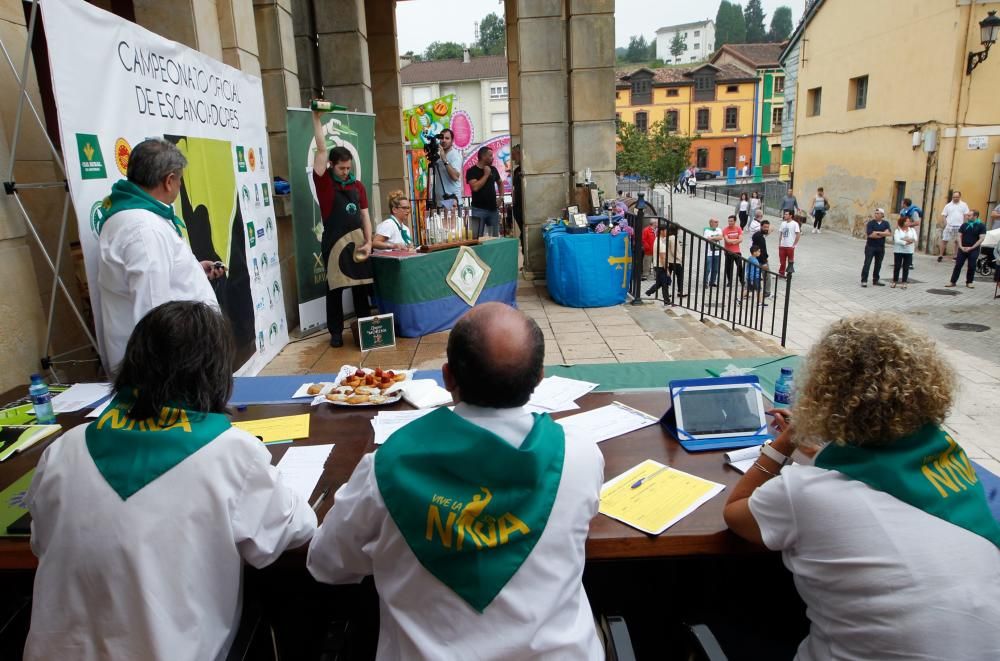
116 84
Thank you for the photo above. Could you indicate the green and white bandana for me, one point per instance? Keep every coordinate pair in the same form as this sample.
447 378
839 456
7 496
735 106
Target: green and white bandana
470 505
126 196
927 470
130 453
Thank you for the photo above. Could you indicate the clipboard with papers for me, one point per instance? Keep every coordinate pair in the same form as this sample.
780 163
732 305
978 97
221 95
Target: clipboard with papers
719 413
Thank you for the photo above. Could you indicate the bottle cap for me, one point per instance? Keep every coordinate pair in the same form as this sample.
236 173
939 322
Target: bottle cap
36 378
786 370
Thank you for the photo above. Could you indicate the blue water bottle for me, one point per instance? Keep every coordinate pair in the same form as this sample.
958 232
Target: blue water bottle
41 400
783 388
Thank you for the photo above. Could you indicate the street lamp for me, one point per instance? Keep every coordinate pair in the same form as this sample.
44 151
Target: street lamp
989 28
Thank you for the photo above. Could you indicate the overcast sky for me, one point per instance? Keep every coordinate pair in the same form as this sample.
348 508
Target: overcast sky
420 22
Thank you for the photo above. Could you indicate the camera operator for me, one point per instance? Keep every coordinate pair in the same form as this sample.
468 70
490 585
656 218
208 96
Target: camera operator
484 180
448 172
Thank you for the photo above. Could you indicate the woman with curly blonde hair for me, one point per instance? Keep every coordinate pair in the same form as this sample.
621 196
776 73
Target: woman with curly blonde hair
882 520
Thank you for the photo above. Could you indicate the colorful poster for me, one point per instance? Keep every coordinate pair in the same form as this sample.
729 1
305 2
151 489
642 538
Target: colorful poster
128 84
501 161
427 119
356 132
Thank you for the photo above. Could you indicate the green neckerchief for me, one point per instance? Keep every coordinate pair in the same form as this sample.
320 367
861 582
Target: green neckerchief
343 182
402 230
470 505
126 196
926 469
132 453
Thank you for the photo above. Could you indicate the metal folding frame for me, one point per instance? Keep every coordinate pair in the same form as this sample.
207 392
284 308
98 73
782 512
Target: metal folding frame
11 188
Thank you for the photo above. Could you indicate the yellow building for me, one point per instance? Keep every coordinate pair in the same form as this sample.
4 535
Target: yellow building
885 108
714 103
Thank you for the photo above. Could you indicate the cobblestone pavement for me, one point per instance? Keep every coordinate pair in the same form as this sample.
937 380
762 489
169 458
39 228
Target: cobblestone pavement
827 286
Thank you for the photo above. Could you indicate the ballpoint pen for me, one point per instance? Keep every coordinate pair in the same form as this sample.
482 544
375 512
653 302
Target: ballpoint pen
320 499
638 483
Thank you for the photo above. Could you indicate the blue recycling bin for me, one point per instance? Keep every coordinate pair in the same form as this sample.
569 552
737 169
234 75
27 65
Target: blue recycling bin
587 270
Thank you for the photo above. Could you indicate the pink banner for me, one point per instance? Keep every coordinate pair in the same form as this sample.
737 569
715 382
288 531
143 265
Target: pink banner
501 161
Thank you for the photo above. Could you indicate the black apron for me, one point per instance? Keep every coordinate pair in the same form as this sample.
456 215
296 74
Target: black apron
342 236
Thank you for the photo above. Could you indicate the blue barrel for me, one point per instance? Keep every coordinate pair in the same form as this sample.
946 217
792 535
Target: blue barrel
587 270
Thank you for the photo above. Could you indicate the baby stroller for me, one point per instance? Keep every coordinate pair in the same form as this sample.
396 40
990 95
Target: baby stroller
986 264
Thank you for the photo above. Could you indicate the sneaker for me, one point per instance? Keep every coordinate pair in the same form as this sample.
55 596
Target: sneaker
337 340
940 257
763 304
814 230
970 285
819 231
950 284
864 284
878 284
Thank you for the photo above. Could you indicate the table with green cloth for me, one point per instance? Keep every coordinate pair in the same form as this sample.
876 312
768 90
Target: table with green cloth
416 290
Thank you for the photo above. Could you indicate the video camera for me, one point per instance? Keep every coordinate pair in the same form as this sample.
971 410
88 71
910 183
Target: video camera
432 149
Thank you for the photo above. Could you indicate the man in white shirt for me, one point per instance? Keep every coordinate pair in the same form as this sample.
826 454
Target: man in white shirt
142 519
448 173
713 254
474 522
954 214
789 233
144 259
393 233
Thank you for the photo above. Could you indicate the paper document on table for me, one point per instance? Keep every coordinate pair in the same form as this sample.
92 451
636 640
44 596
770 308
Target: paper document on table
99 409
652 497
282 428
387 423
743 458
605 422
302 466
78 396
557 393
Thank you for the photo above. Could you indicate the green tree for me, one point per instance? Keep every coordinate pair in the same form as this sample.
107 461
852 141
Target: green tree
753 16
677 45
781 24
658 155
620 54
730 26
492 35
638 49
413 57
443 50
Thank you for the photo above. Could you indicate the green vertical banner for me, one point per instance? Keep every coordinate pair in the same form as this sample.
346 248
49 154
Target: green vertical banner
356 132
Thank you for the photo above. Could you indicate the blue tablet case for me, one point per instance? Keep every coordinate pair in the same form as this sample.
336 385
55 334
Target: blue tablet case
691 444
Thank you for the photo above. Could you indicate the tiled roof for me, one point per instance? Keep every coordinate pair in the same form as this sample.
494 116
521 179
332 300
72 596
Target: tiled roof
758 56
440 71
668 76
683 26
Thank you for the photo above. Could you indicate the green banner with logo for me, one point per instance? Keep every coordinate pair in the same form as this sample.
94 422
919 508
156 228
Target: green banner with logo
356 132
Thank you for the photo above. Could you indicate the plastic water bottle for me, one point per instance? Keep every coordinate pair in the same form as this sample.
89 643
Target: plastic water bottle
41 400
784 387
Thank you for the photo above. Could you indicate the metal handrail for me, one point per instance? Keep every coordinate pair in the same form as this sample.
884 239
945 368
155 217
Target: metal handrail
731 301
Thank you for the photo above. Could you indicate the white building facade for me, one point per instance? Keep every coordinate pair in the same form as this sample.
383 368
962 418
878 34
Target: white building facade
698 37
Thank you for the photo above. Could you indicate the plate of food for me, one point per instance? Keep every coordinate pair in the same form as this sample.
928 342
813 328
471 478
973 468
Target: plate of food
356 386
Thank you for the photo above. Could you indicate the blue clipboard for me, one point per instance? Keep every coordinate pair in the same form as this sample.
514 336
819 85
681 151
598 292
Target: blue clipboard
691 444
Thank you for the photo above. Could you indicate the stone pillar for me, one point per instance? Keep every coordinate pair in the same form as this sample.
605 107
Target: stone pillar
194 23
591 56
306 50
383 56
544 126
238 35
513 72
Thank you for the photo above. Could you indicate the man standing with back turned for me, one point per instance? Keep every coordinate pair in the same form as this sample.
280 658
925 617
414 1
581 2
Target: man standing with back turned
144 259
473 522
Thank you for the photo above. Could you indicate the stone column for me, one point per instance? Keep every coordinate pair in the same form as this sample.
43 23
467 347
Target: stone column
194 23
306 50
513 72
592 82
238 35
383 56
541 58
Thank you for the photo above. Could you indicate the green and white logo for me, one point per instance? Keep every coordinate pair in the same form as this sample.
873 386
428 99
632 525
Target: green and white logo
91 158
251 234
468 275
241 161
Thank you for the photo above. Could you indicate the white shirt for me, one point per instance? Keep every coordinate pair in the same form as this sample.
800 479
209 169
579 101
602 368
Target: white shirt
754 203
389 228
753 227
881 579
787 232
542 612
714 247
451 187
744 205
898 238
954 214
142 263
157 576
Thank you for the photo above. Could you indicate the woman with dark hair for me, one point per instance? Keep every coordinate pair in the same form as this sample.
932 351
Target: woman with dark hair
743 210
142 520
347 232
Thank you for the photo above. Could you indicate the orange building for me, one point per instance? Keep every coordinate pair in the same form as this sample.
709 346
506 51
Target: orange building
714 104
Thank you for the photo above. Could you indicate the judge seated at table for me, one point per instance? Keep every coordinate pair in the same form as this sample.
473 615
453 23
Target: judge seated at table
142 520
473 522
394 233
884 523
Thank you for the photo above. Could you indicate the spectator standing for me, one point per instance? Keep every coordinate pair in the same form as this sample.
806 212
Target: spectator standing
877 230
675 260
692 182
759 240
754 226
904 240
753 276
743 210
661 278
648 238
789 203
789 233
713 235
916 215
972 233
755 203
484 180
731 237
819 208
954 214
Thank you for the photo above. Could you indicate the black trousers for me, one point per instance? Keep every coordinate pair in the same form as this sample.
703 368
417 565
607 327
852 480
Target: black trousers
969 258
744 217
901 261
733 260
678 271
876 254
661 281
335 306
818 218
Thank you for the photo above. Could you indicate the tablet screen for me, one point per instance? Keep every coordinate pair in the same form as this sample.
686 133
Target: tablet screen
720 410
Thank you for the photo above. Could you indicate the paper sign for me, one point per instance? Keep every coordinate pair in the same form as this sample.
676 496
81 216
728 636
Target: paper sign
282 428
377 332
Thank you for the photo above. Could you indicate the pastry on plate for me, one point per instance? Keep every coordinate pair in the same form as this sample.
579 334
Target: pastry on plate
358 399
336 397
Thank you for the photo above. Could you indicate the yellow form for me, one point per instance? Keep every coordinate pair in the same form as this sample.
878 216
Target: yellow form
283 428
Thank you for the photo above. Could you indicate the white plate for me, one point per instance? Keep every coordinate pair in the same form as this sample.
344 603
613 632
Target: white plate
389 399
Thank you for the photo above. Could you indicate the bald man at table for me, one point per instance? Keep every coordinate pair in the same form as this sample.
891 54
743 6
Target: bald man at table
473 522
